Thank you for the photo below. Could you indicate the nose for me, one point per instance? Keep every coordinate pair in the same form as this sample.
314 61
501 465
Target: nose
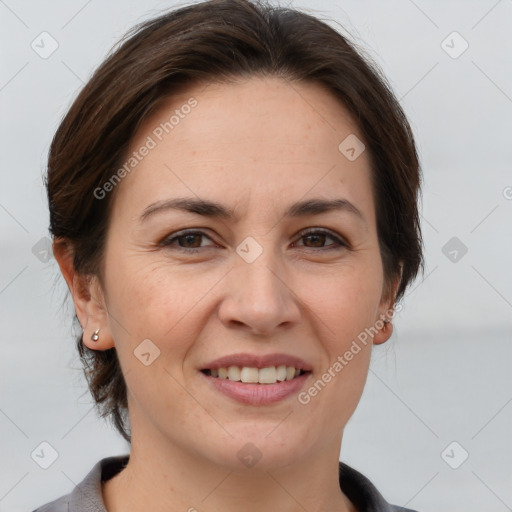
258 297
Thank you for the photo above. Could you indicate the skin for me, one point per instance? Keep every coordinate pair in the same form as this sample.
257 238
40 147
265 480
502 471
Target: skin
257 146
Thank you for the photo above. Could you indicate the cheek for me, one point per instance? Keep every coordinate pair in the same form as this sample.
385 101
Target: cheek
157 301
142 294
344 303
344 308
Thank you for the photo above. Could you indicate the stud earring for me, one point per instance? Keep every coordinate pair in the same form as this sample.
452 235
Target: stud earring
95 336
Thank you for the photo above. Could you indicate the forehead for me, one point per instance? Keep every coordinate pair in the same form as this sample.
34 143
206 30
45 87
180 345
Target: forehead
264 138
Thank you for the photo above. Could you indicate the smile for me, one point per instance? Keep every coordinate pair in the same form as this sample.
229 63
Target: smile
252 375
252 391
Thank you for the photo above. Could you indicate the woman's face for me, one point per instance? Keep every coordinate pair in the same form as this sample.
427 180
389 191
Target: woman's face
276 280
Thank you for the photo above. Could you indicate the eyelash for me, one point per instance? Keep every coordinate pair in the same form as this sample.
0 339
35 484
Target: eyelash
339 243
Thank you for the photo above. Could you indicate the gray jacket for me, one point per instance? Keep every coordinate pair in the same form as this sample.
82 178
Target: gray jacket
87 496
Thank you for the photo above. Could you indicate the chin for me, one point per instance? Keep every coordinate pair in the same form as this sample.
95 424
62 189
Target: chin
260 450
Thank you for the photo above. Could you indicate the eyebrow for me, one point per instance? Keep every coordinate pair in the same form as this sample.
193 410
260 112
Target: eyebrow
217 210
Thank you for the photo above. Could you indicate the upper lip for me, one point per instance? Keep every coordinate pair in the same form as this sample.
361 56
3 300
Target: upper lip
258 361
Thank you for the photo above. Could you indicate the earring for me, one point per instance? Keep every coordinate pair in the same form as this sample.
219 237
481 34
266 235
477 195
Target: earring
95 336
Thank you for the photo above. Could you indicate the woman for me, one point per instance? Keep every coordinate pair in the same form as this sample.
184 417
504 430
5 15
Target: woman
233 201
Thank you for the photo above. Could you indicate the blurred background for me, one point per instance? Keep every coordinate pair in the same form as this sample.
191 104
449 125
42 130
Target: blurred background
433 430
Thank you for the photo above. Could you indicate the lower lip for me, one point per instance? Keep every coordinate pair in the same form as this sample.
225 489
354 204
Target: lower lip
258 394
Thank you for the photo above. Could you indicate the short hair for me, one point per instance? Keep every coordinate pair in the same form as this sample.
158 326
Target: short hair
219 41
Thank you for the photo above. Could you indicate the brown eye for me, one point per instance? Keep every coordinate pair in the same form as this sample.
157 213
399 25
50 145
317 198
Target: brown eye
188 241
318 238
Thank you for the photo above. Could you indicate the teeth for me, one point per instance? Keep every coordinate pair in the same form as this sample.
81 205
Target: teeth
234 373
249 374
281 372
267 375
246 374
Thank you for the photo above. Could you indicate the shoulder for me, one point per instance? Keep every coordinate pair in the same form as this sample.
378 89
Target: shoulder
87 495
363 493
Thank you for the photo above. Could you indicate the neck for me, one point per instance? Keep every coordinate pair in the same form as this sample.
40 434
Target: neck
172 479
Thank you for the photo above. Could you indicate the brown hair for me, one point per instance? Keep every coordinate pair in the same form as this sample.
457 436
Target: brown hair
216 41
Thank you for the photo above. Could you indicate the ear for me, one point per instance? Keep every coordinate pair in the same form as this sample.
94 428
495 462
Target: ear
383 323
88 298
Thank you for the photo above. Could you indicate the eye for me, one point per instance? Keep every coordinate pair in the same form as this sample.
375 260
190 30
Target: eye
319 236
188 241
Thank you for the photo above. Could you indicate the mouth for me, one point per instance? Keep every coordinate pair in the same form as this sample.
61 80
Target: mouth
257 379
254 375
